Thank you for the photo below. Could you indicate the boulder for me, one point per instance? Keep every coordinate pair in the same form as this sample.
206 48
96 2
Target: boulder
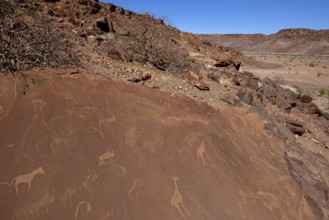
295 127
308 108
104 24
212 77
245 96
306 99
324 114
236 82
139 77
252 82
191 79
223 63
230 100
283 104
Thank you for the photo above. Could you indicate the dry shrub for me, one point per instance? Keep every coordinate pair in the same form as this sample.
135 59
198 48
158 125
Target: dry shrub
29 38
149 41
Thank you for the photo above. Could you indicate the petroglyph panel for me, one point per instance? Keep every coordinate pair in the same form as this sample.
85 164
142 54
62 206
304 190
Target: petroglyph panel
112 151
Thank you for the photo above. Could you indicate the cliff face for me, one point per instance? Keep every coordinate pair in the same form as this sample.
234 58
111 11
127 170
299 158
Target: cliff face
285 41
85 147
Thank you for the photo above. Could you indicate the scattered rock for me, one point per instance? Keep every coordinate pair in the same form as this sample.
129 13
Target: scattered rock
252 82
191 79
230 100
195 75
140 77
308 108
295 127
324 114
306 99
212 77
223 63
245 96
283 104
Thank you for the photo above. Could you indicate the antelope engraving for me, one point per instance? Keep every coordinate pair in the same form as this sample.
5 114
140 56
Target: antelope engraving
201 153
34 209
43 204
67 195
26 178
91 178
23 212
177 199
107 156
136 189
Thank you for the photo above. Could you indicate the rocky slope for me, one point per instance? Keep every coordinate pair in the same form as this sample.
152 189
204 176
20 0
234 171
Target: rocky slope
305 41
193 139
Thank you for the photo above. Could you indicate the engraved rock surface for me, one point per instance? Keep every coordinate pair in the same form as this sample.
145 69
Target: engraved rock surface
80 146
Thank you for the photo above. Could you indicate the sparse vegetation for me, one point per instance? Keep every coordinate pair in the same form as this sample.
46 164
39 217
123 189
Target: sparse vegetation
322 91
28 38
319 74
151 43
311 65
298 89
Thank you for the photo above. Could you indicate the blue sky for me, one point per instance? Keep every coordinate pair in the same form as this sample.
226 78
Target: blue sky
238 16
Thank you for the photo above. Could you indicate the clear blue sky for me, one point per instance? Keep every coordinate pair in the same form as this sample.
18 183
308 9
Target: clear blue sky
238 16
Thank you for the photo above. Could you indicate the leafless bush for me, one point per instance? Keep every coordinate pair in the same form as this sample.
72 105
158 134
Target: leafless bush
28 38
151 41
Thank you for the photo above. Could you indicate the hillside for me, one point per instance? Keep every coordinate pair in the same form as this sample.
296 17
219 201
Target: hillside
305 41
110 114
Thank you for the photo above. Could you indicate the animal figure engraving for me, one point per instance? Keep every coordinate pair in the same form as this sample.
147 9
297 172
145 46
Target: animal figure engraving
26 178
23 212
78 207
43 204
267 199
91 178
67 196
34 209
107 156
177 199
136 189
201 153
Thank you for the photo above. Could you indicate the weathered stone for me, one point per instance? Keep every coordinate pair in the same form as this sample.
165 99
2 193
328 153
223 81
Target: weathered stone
84 136
284 132
212 77
114 54
296 129
230 100
283 104
194 82
139 77
324 114
252 82
306 99
309 108
236 82
245 96
223 63
104 24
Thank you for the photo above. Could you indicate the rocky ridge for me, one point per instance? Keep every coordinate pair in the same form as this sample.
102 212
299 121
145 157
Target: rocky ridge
305 41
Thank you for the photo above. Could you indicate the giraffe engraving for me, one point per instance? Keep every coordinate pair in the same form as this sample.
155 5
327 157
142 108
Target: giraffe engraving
177 199
201 153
